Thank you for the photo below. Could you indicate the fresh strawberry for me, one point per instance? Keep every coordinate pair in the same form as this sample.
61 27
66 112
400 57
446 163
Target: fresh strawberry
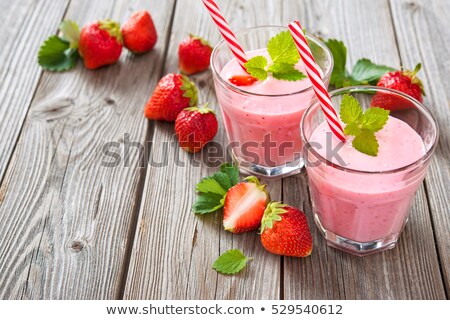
244 206
285 231
100 43
404 81
193 55
195 127
173 93
243 80
139 32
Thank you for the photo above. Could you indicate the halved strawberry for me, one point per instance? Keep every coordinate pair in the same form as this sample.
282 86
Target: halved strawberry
243 80
244 206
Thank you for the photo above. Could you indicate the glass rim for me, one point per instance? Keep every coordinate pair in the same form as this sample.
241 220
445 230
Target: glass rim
237 89
373 89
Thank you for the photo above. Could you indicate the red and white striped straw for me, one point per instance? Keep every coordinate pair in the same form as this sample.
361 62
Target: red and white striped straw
316 79
226 32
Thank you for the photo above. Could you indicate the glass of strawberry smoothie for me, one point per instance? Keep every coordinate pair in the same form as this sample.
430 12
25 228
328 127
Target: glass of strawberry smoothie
262 120
361 202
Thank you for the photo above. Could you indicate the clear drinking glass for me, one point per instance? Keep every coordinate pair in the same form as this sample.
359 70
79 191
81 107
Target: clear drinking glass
263 129
363 212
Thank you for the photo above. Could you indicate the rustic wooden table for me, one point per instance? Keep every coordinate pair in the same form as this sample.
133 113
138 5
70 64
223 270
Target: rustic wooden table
73 228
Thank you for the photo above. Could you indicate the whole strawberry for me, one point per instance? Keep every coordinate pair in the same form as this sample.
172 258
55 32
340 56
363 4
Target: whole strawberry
173 93
193 55
195 127
244 206
404 81
285 231
139 32
100 43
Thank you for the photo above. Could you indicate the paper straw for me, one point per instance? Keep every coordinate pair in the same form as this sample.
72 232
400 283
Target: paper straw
316 79
226 32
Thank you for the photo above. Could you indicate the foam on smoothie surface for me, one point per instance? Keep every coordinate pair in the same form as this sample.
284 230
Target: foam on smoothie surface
399 146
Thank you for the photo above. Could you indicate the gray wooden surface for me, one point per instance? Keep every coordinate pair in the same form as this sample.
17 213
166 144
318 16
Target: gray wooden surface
73 228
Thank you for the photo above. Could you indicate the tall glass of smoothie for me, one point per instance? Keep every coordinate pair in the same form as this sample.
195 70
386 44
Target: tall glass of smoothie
361 202
262 120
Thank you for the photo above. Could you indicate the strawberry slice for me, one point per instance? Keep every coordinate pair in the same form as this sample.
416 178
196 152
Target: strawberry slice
243 80
244 206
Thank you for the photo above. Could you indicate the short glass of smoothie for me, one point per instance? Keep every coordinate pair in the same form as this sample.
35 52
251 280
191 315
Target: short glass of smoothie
262 120
360 202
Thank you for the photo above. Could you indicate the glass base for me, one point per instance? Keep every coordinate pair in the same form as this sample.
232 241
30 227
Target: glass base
288 169
355 247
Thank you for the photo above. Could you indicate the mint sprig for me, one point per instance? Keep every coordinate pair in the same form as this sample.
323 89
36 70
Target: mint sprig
59 53
212 190
284 56
363 72
230 262
362 125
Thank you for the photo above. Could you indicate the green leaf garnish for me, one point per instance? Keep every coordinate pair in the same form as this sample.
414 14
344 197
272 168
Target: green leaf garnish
282 48
284 56
212 190
70 32
56 55
362 125
367 72
256 66
230 262
363 72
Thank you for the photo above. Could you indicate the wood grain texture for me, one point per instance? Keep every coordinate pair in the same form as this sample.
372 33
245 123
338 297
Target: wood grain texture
329 273
421 34
174 249
65 214
19 72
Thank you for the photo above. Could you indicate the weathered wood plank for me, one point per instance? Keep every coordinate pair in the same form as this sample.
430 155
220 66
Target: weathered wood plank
329 273
19 72
421 34
174 250
65 215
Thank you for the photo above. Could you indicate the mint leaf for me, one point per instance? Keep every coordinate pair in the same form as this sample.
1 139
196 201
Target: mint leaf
352 129
231 262
56 55
375 119
213 189
256 67
366 142
362 125
339 52
282 49
284 56
367 72
70 32
352 110
285 71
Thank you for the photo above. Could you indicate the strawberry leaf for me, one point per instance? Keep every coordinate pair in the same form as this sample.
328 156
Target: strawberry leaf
70 32
56 55
339 52
231 262
213 189
367 72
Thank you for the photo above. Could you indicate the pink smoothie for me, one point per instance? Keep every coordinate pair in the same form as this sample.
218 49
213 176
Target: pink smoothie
367 206
248 118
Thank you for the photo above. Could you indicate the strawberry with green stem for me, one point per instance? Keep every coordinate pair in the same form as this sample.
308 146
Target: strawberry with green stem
194 54
285 231
173 93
